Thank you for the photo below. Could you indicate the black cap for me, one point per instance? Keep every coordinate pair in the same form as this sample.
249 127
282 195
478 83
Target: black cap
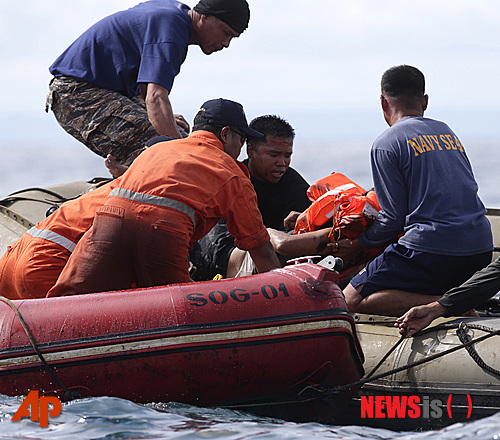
235 13
223 112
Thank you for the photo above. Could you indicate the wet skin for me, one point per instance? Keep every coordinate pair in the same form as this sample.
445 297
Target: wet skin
268 161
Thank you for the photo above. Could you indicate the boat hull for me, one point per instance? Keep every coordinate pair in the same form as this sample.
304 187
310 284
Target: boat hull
251 343
451 388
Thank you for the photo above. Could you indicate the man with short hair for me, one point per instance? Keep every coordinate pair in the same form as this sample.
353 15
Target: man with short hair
426 188
111 86
280 189
172 195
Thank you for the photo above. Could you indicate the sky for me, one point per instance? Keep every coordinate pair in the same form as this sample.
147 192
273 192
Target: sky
318 64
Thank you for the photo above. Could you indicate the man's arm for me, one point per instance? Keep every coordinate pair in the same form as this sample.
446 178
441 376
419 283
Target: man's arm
160 111
309 243
348 249
264 257
476 290
479 288
392 196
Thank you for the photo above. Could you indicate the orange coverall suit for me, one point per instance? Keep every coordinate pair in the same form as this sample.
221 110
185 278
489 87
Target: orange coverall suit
171 195
31 266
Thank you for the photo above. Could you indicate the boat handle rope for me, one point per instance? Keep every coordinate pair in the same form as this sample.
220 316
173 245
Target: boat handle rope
68 394
43 190
61 199
462 335
396 345
359 383
242 406
9 199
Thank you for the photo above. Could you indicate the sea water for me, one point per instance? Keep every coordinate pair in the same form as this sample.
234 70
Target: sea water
44 163
113 418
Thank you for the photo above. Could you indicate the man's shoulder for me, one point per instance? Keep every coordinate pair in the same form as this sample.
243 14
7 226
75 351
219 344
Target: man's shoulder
293 189
173 6
408 128
162 14
416 124
292 174
234 168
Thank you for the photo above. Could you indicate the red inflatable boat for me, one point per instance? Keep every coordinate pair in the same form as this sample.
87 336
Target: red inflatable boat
268 343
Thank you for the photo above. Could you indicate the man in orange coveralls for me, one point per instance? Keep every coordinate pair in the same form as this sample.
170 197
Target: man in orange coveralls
31 266
172 195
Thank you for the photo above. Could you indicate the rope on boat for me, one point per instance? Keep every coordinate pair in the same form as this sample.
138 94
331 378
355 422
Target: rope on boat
462 335
54 204
31 199
68 394
43 190
396 345
279 402
359 383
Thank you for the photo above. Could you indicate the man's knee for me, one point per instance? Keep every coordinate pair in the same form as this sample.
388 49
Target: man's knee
352 297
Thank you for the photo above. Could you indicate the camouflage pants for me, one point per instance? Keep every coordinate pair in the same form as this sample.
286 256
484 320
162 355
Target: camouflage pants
105 121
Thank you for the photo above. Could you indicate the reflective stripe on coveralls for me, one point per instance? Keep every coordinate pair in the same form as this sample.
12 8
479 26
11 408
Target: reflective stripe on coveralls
155 200
52 236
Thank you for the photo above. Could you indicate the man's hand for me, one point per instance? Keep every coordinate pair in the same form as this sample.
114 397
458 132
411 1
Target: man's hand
182 123
418 318
347 249
290 220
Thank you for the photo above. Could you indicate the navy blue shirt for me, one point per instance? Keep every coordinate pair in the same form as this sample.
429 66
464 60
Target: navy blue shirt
144 44
426 188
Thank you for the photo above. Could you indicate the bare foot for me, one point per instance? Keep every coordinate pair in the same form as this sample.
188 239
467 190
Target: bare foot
114 167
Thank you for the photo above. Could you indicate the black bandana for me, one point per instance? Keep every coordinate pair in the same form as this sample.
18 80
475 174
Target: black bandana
235 13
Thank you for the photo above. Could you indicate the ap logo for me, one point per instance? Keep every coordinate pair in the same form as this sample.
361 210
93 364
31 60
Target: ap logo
40 410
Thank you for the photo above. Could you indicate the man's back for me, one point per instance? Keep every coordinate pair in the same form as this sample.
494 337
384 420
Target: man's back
146 43
425 183
198 173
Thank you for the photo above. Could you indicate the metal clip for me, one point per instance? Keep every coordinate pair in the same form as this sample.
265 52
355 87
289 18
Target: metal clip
304 259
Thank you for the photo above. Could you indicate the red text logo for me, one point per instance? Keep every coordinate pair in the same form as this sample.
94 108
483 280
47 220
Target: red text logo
390 407
40 410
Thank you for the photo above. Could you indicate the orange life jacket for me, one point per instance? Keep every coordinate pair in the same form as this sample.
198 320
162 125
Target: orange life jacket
348 208
339 200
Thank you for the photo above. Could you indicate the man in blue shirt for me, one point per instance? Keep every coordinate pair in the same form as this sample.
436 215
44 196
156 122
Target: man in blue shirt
425 186
111 86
